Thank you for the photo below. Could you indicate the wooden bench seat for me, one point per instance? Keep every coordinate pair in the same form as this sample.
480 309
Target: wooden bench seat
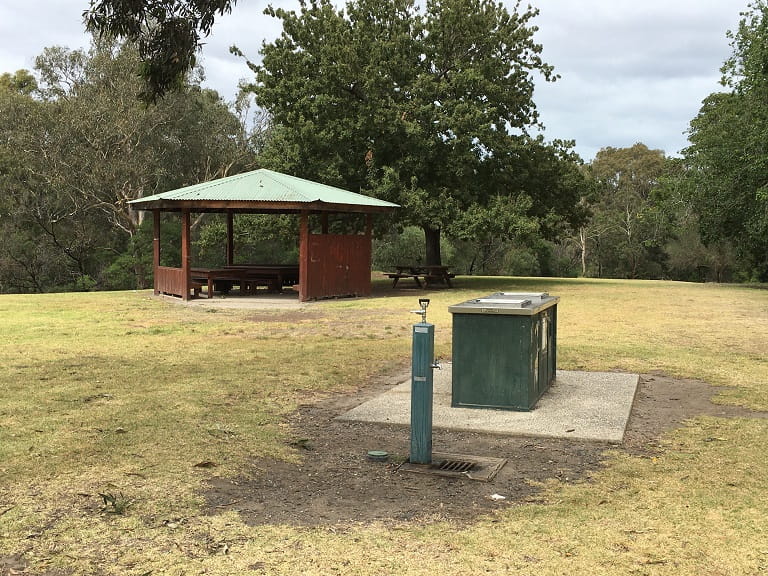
248 278
396 276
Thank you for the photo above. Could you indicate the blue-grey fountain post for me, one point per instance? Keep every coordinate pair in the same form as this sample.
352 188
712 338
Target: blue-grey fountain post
421 387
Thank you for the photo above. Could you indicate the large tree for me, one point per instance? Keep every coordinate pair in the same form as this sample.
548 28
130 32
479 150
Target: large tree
425 105
20 82
76 150
628 228
26 263
728 155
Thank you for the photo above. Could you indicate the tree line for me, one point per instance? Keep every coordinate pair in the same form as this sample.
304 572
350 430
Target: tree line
430 106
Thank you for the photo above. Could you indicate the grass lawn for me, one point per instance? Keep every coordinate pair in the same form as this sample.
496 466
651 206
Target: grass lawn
116 408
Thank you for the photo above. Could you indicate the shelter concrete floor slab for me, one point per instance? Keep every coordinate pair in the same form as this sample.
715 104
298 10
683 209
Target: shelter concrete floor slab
584 405
286 300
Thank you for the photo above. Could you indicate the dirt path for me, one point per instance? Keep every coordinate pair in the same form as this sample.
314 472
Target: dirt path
335 483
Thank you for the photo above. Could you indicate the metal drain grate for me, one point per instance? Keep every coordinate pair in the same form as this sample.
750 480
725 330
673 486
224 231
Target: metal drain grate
456 466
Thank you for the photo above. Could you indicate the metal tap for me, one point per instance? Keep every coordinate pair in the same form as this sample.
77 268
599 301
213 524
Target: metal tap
423 303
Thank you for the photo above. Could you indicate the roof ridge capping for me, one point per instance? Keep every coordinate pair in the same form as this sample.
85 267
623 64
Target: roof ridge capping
279 179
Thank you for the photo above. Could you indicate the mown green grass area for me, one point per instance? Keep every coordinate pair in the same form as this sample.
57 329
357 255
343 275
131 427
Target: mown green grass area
124 394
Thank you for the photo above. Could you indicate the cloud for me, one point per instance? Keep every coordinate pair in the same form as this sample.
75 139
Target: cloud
631 71
28 27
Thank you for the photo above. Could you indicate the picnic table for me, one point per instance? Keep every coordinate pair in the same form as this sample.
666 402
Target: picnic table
431 275
247 276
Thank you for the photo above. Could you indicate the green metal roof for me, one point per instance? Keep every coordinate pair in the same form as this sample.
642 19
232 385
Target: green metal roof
263 189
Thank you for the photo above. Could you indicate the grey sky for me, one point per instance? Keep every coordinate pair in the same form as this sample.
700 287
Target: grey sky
631 71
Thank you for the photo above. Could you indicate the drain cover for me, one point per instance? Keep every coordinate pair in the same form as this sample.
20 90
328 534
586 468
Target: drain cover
458 466
454 465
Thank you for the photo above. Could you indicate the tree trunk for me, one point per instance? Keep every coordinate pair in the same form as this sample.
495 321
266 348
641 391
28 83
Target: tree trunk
138 270
599 259
583 242
432 239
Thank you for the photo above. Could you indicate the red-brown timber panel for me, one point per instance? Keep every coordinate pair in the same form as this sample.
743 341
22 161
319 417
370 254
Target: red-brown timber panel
338 265
169 281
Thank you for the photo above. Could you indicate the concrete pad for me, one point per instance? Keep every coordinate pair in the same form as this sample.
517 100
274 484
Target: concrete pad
583 405
285 300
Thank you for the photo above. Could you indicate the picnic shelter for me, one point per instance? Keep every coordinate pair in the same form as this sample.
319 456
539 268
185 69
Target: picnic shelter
330 264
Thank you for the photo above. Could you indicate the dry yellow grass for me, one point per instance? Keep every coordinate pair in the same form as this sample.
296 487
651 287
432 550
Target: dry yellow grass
123 394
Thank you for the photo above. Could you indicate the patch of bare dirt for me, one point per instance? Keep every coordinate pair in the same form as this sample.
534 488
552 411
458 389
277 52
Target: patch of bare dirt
16 565
12 565
286 316
335 483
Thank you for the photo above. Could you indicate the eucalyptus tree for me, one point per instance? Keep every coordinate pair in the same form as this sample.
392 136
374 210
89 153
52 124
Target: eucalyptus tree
87 147
26 264
21 82
628 228
168 35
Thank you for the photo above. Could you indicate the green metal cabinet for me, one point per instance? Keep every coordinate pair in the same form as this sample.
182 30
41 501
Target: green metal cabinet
504 350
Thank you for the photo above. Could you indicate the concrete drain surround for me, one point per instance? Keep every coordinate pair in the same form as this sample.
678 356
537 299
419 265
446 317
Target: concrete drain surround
584 405
458 466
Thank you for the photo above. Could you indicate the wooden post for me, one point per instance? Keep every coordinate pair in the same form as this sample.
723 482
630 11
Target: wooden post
185 254
303 256
230 238
156 252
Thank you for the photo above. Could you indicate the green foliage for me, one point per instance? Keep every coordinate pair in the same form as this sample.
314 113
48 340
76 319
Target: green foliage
258 238
642 223
133 268
115 503
209 242
64 198
21 82
424 105
497 257
503 217
691 260
728 158
121 272
167 33
406 246
170 240
392 249
629 226
266 238
521 262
